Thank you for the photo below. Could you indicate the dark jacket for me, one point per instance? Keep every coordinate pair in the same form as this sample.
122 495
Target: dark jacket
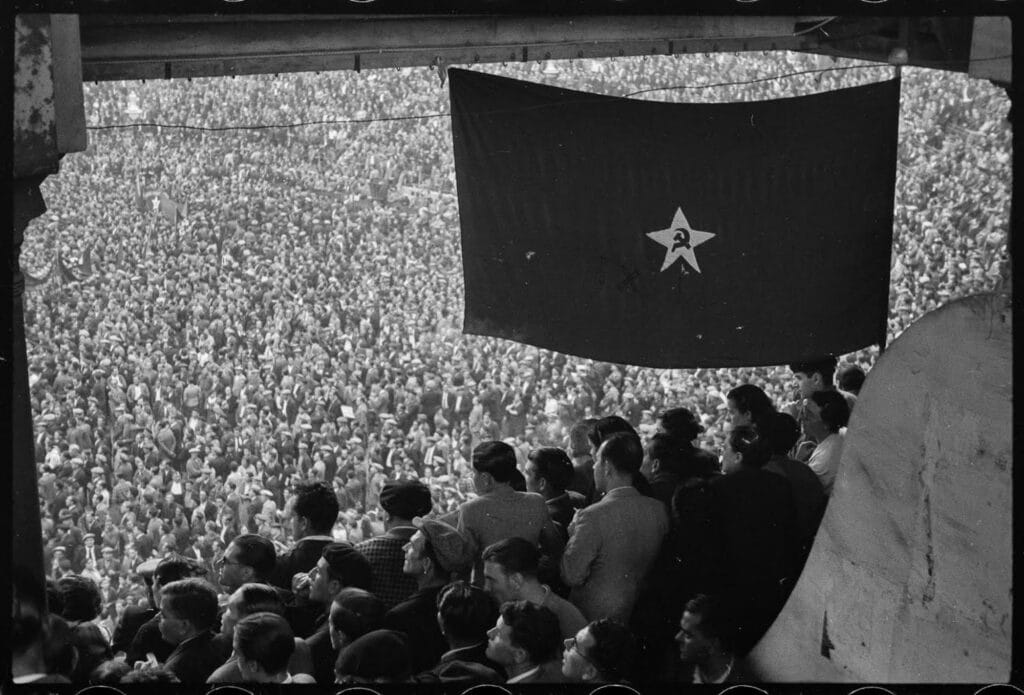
302 558
195 659
148 639
464 667
133 618
417 618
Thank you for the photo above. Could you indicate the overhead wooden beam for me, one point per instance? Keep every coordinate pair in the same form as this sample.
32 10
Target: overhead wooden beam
153 47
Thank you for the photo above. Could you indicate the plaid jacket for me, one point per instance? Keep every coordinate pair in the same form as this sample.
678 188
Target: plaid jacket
386 557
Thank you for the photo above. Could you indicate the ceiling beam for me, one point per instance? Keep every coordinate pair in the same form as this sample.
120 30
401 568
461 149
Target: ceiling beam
154 47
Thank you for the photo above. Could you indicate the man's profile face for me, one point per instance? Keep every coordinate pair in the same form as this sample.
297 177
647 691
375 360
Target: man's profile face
810 420
600 470
737 418
319 591
576 664
498 584
499 644
532 479
808 383
232 613
173 628
694 646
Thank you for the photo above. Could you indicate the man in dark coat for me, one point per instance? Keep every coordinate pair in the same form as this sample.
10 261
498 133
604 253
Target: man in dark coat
188 617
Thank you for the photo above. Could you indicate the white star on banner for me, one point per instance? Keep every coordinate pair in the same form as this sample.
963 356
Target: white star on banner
680 240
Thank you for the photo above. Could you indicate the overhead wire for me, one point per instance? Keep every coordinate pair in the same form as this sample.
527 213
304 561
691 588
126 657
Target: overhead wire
384 119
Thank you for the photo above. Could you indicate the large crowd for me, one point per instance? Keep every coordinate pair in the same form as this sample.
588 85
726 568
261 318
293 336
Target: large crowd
300 323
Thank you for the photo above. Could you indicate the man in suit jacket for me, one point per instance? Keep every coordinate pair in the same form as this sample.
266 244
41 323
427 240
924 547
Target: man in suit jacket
188 615
88 552
500 512
614 542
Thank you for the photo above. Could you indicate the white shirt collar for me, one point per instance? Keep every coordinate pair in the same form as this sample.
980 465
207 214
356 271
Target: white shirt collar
697 678
521 676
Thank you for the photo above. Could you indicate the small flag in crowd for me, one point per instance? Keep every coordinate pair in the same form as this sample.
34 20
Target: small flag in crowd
675 235
157 201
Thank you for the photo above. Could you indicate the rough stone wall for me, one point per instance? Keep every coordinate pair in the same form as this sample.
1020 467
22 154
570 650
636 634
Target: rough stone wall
910 576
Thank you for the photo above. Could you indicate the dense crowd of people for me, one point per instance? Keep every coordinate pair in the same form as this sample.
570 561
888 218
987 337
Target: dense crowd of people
299 327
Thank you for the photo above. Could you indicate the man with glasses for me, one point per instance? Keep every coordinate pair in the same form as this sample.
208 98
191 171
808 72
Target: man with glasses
602 652
249 558
525 642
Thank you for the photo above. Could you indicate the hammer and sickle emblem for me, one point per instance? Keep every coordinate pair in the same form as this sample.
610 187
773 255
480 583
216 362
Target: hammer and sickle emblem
681 238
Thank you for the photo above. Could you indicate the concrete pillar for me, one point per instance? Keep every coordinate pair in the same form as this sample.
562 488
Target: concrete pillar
49 121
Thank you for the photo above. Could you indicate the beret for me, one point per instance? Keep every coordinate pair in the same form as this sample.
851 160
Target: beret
349 564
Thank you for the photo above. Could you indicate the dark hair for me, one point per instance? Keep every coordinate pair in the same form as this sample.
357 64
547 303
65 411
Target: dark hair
518 480
160 674
534 629
665 449
851 378
514 555
176 568
752 399
110 672
681 423
317 503
194 600
606 427
347 565
780 432
466 611
80 598
267 639
553 465
92 648
835 411
615 650
259 598
624 451
496 458
715 619
745 440
826 366
256 552
356 612
579 437
378 654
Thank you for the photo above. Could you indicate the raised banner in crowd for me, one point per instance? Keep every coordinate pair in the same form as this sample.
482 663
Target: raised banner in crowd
675 235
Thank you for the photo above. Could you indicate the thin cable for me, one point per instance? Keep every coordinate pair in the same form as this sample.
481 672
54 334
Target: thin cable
181 126
270 126
760 79
817 26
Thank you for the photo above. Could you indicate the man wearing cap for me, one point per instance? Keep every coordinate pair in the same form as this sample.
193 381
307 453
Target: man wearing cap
402 502
435 555
340 566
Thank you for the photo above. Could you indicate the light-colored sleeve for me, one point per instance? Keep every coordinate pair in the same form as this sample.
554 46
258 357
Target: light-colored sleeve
581 550
467 531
